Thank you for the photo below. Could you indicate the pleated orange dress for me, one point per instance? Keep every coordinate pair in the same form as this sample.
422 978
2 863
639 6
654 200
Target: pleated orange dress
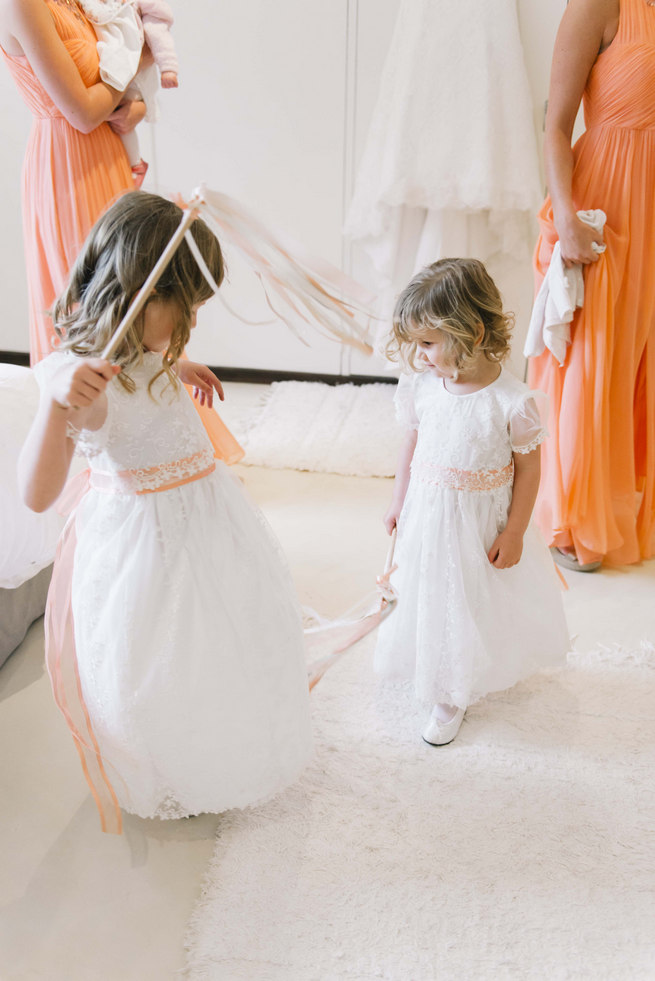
69 179
598 467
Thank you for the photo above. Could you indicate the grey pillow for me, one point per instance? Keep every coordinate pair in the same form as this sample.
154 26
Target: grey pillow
19 608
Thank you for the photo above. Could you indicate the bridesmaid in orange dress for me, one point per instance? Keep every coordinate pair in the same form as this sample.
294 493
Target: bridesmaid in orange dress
597 496
75 165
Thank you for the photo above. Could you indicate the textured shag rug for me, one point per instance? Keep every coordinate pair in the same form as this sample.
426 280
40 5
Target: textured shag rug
524 850
345 429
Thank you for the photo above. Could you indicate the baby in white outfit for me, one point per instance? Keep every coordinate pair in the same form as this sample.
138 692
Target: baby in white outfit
122 26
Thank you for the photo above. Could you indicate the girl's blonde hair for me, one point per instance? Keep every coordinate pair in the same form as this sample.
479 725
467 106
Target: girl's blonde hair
116 259
458 298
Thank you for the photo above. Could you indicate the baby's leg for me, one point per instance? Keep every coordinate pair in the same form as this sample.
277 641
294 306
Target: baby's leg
131 144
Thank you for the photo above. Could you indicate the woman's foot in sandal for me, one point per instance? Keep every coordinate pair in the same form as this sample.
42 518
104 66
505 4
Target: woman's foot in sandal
569 560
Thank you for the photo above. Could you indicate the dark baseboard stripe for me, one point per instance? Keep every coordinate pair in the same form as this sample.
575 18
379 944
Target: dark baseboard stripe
252 375
15 357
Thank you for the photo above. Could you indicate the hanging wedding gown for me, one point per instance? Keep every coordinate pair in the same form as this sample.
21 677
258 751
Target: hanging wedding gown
450 166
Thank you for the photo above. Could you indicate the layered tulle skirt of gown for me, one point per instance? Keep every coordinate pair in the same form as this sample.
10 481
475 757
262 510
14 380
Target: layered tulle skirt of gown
463 628
189 648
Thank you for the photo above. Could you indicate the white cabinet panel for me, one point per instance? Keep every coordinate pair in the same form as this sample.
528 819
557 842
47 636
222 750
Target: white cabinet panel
16 122
259 114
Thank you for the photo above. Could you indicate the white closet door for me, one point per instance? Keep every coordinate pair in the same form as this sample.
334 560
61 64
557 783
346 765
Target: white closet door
259 114
16 123
375 21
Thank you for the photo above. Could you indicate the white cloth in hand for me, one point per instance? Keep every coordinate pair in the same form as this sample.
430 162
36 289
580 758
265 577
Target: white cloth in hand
561 293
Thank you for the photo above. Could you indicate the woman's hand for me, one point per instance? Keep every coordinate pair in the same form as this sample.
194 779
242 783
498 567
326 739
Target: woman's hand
127 117
506 550
202 380
78 386
577 239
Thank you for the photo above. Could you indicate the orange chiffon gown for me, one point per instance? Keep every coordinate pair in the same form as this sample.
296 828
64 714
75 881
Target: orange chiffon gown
69 179
598 482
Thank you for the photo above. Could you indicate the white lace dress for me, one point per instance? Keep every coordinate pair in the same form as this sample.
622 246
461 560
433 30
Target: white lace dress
187 629
463 628
450 164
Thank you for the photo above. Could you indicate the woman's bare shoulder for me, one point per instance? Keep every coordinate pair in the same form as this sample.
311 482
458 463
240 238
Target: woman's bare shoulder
19 21
597 18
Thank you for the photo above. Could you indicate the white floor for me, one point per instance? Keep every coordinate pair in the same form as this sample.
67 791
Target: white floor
77 905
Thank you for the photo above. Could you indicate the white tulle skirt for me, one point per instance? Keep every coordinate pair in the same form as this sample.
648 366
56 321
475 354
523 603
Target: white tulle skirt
463 628
189 648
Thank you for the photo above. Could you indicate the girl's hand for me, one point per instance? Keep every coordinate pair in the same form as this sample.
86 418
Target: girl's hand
576 240
390 519
78 386
202 380
127 117
506 550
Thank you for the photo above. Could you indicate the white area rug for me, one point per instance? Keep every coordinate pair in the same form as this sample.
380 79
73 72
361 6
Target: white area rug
345 429
524 850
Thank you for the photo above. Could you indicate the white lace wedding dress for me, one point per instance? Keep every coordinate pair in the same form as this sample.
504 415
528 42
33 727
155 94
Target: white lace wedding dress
463 628
187 630
450 165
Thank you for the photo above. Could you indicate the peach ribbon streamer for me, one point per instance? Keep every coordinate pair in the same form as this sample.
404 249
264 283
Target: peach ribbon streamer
61 661
354 625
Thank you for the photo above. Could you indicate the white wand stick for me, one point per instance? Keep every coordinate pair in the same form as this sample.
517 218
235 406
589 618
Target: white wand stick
136 306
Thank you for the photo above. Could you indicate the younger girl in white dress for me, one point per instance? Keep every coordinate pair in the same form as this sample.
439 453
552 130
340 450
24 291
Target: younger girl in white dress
479 597
174 639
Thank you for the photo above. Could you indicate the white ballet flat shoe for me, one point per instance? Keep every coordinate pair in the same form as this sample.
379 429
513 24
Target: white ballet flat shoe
438 733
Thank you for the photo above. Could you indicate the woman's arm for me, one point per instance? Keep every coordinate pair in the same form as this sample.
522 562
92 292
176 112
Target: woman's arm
508 547
586 29
30 25
401 482
74 396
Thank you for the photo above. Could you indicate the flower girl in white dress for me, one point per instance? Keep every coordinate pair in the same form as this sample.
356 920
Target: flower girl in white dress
479 597
173 635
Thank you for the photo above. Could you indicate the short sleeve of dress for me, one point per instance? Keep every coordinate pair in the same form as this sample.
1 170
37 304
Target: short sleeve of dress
44 371
526 427
404 402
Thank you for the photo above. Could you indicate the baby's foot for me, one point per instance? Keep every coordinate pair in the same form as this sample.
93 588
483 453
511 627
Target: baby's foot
443 724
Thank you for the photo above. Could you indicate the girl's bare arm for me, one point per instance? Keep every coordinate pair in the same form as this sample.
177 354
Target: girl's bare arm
508 546
76 395
401 482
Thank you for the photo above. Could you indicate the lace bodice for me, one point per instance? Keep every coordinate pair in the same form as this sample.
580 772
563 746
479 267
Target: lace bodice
157 438
468 434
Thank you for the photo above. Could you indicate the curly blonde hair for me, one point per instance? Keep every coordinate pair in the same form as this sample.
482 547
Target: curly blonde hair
116 259
458 298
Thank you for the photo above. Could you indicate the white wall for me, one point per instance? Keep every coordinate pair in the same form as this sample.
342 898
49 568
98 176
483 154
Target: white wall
273 107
